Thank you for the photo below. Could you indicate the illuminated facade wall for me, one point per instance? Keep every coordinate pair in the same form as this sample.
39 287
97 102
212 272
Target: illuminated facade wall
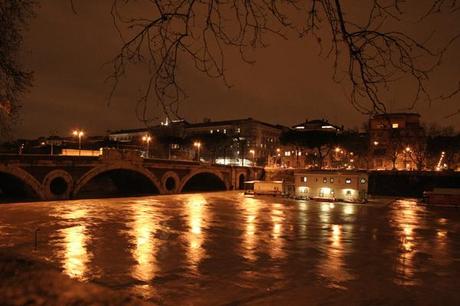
332 185
389 135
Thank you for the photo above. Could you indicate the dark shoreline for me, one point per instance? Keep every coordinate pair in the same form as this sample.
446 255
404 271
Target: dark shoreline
27 281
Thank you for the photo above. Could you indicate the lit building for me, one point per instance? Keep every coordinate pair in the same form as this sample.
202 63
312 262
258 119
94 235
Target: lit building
291 156
393 137
349 186
251 141
242 141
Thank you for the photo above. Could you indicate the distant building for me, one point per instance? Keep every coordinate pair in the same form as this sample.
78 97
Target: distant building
317 125
393 137
241 141
254 141
300 157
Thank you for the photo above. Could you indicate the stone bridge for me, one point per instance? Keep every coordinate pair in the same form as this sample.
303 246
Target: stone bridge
116 173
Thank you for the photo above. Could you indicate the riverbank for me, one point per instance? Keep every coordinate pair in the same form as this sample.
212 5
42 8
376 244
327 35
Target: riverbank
27 281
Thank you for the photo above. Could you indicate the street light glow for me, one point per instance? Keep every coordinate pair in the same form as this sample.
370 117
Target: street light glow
147 139
79 134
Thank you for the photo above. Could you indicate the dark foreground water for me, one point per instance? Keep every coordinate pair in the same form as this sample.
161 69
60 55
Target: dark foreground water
225 248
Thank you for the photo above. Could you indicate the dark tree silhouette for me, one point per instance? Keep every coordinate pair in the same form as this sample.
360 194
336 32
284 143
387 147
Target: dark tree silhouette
358 144
371 53
449 144
213 145
320 142
14 78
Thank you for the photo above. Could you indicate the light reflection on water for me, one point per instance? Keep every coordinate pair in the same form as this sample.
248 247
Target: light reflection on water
143 230
406 219
251 208
197 217
74 253
216 236
277 242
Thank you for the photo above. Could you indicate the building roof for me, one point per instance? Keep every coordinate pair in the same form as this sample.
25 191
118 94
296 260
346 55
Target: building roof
232 122
395 115
129 131
316 124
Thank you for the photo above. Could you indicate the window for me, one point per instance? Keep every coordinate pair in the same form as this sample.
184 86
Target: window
324 179
174 146
238 130
287 153
395 125
304 179
211 131
363 180
225 131
331 180
348 180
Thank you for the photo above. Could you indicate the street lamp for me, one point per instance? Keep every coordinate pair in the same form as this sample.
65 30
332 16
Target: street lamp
407 150
79 134
197 145
147 140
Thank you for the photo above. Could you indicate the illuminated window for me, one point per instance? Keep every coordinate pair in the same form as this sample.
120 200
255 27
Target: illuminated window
218 131
395 125
238 130
363 180
211 131
304 179
225 131
332 180
287 153
348 180
324 179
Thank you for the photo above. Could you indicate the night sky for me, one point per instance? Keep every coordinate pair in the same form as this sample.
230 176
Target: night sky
288 84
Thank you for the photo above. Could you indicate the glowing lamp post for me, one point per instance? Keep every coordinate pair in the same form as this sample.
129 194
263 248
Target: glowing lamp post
79 134
407 150
197 145
147 140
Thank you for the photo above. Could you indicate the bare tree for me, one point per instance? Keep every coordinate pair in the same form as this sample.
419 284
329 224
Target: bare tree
169 32
14 79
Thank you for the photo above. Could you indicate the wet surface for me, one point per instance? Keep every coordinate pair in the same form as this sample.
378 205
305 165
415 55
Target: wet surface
225 248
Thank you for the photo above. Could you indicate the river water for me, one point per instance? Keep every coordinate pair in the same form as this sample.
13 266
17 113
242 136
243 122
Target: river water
225 248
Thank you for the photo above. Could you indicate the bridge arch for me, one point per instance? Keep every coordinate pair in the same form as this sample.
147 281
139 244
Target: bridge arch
124 167
170 182
214 178
24 177
57 184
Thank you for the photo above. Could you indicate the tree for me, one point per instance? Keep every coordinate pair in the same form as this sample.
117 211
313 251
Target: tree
213 145
320 142
14 78
372 54
444 149
358 144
